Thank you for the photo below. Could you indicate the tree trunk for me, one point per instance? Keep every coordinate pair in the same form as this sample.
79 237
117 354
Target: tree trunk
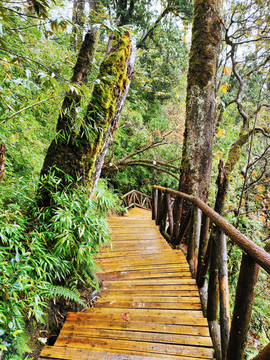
64 154
108 134
78 18
200 102
111 101
72 155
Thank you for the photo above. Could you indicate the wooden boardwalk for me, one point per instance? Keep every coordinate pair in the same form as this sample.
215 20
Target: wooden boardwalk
149 306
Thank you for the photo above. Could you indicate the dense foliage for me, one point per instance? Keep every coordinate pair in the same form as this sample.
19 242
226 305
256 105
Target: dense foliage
48 252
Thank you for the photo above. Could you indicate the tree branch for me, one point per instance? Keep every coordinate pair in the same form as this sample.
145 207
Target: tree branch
114 168
155 25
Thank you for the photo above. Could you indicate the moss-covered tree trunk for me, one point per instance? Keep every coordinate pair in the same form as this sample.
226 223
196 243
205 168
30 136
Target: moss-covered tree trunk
64 155
200 102
78 19
73 153
108 134
108 100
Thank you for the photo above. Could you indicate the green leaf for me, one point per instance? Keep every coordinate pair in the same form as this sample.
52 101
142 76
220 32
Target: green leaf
17 332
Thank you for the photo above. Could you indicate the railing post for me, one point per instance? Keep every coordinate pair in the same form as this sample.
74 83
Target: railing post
203 257
213 295
159 203
154 210
170 212
264 354
193 244
244 298
185 225
223 294
177 211
163 215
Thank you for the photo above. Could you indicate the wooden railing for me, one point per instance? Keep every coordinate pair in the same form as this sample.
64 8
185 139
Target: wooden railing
137 198
207 257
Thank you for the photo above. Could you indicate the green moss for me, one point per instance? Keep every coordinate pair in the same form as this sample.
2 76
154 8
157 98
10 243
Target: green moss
235 152
205 42
113 72
102 108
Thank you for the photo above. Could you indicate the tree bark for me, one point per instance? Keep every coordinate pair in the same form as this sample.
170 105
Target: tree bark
73 155
112 123
78 19
64 155
244 298
200 102
264 354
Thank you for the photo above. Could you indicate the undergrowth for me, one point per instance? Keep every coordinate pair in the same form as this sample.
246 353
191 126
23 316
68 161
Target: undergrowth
46 254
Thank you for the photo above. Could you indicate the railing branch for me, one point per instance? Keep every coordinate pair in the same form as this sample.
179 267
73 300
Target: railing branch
253 250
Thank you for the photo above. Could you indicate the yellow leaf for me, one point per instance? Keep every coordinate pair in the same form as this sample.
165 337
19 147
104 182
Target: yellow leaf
220 132
223 88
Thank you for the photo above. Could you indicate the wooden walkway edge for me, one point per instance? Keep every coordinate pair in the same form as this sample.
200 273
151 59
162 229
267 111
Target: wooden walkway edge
149 306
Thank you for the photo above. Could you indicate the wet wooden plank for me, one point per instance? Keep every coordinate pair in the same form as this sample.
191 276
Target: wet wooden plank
159 292
149 307
142 336
63 353
148 298
120 345
138 304
80 321
143 274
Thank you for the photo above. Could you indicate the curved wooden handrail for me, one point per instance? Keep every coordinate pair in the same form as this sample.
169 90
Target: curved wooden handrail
253 250
207 253
137 198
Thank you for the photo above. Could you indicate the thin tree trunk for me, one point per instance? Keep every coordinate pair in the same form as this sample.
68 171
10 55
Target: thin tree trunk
3 150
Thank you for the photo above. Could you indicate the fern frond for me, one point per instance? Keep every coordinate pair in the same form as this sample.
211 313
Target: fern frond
55 291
